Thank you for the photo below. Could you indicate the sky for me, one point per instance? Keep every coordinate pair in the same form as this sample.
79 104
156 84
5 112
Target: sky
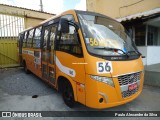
51 6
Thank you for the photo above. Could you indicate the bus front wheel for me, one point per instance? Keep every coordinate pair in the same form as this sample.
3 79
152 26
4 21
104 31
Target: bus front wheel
68 95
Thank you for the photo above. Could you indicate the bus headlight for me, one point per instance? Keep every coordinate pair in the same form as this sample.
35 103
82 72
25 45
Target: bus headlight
106 80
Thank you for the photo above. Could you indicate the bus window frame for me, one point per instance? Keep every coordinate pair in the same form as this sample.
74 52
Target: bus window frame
49 24
109 57
77 38
49 35
25 43
31 44
39 36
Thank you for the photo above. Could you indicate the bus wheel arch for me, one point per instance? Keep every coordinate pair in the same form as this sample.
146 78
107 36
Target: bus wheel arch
25 67
68 93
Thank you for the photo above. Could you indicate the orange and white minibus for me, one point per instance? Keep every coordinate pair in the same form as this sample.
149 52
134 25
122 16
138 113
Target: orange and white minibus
86 56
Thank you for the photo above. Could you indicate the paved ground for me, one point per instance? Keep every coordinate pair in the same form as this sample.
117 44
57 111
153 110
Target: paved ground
155 67
17 89
152 75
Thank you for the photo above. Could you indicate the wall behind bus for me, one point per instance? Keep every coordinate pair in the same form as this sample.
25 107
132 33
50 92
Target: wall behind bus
14 20
32 17
143 51
121 8
153 53
8 53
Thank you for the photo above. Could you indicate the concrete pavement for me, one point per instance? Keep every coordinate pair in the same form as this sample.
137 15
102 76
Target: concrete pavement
49 99
152 75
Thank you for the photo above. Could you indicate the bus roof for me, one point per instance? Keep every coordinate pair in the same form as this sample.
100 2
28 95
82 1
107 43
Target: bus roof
47 20
66 12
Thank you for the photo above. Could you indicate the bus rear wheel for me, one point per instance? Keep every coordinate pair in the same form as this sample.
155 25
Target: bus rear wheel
68 95
26 69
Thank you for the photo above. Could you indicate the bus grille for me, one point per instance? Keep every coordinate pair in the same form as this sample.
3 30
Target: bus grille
129 78
129 93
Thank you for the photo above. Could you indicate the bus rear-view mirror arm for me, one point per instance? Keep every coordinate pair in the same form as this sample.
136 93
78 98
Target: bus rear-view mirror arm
75 24
64 25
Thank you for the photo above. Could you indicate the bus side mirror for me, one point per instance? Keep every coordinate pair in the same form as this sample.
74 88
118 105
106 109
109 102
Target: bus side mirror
64 25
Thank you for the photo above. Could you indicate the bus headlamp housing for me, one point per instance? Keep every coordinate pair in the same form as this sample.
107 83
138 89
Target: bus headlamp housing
106 80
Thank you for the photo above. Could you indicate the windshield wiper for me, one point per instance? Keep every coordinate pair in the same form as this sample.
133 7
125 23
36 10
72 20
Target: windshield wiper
137 52
111 49
133 52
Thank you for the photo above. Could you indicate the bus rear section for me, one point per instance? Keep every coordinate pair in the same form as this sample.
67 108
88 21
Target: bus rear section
29 50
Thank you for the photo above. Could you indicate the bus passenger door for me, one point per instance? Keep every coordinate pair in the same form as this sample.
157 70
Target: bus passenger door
51 52
45 54
48 67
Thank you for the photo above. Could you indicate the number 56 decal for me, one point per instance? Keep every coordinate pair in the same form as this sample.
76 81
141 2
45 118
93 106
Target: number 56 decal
104 67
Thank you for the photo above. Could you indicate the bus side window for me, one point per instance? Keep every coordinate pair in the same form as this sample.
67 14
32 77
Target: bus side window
30 36
25 39
69 42
52 37
45 38
51 43
37 37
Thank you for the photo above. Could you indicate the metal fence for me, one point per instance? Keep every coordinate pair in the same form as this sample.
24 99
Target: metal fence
10 27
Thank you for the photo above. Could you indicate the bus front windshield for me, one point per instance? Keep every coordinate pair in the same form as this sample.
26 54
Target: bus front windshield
106 37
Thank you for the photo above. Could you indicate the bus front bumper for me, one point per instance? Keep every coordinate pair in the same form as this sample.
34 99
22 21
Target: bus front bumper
101 95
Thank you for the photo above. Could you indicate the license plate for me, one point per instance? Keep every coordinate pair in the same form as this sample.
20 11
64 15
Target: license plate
132 86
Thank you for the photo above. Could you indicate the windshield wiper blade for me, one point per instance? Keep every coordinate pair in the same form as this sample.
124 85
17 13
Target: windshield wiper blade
137 52
110 49
132 52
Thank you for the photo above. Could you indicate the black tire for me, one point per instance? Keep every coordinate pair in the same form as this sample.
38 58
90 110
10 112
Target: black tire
67 93
26 69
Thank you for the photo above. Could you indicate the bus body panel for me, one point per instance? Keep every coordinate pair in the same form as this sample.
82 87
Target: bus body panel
78 71
112 95
73 68
73 83
33 63
118 67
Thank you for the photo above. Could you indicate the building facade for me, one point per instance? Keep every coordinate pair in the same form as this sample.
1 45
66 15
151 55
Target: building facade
140 17
14 20
144 28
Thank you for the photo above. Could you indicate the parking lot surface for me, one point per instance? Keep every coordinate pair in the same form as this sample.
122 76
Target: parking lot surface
18 88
